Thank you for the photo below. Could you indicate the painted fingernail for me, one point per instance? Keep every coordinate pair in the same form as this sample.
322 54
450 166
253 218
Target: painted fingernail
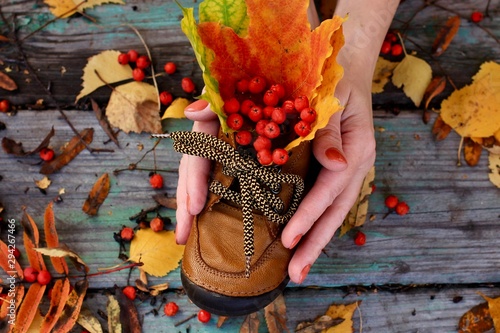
197 106
304 273
187 203
295 241
333 154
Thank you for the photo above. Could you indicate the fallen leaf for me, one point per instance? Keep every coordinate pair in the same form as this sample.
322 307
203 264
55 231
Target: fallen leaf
7 83
445 36
383 71
414 75
71 150
29 308
87 320
437 85
157 289
71 310
250 324
64 251
8 261
31 239
472 151
12 147
66 8
345 312
176 109
477 319
275 315
494 165
11 298
133 107
103 69
52 239
473 110
357 215
103 121
158 251
43 183
129 316
221 320
58 298
97 195
440 129
167 202
319 325
113 311
35 323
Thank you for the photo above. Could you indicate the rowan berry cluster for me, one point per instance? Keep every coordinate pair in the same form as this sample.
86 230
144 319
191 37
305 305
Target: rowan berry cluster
391 45
263 117
400 207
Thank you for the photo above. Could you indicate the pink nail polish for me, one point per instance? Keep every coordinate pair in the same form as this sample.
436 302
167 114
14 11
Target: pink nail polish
295 241
197 106
333 154
304 273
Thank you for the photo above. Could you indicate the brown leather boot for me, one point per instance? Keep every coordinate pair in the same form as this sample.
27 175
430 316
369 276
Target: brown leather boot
234 262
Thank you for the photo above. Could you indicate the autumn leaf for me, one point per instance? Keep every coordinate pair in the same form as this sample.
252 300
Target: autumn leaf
494 165
165 201
8 261
129 316
64 251
473 110
477 319
31 239
250 324
103 121
15 148
275 314
103 69
52 239
97 195
72 307
445 36
337 319
6 82
414 75
158 251
133 107
472 151
29 307
440 129
87 320
113 311
382 73
437 85
66 8
6 308
43 183
59 296
176 109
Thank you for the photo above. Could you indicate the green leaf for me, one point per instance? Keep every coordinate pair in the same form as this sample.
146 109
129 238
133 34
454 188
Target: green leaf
231 13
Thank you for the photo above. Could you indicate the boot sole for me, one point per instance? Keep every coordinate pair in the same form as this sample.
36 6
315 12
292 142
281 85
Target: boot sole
223 305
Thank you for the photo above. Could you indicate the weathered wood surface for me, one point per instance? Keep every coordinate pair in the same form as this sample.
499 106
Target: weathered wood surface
450 236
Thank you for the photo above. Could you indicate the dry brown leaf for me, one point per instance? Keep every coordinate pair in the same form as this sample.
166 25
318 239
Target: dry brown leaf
133 107
158 251
434 88
221 320
158 288
440 129
66 8
445 36
414 74
250 324
176 109
29 308
167 202
357 215
477 319
103 69
72 149
113 311
16 148
31 239
345 312
87 320
43 183
6 82
472 151
52 239
275 314
319 325
383 71
71 310
494 165
103 121
97 195
64 251
129 316
59 296
17 298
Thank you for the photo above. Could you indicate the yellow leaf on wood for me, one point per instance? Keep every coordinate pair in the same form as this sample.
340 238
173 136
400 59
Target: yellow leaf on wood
473 111
158 251
494 165
66 8
414 74
43 183
176 109
345 312
383 71
494 309
133 107
113 311
103 69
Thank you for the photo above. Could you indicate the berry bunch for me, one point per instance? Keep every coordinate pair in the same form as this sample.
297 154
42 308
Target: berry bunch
141 62
400 207
391 45
262 117
32 275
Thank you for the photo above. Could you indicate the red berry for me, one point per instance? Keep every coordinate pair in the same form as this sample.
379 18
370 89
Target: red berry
170 68
242 86
262 143
170 309
308 115
123 58
278 115
166 98
4 105
132 55
391 201
156 224
279 89
288 106
127 234
386 47
271 98
264 157
301 103
257 85
402 208
243 138
360 238
30 274
138 74
143 62
268 111
476 17
396 50
302 128
204 316
156 181
246 105
44 277
280 156
260 127
129 292
188 85
16 253
235 121
47 154
272 130
231 105
256 113
391 37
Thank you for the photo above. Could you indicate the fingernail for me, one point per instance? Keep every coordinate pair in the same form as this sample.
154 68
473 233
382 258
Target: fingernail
187 204
333 154
199 105
304 273
295 241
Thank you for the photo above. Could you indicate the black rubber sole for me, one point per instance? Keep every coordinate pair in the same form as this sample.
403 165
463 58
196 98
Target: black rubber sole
226 305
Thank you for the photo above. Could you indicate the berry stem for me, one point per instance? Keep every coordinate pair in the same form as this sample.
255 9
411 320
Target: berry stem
185 320
136 264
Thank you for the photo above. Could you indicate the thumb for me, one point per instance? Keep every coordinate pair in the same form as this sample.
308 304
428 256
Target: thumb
199 111
327 145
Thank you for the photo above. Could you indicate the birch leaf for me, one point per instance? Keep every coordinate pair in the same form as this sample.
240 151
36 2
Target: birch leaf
414 75
383 71
158 251
345 312
66 8
176 109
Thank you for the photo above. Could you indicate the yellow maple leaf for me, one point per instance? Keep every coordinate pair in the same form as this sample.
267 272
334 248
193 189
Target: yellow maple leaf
382 73
66 8
101 69
474 111
176 109
133 107
158 251
414 75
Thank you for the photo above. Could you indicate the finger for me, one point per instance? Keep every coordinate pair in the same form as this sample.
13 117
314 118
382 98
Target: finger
327 145
199 111
183 218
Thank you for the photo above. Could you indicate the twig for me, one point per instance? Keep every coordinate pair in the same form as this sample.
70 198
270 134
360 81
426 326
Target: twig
135 264
179 323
